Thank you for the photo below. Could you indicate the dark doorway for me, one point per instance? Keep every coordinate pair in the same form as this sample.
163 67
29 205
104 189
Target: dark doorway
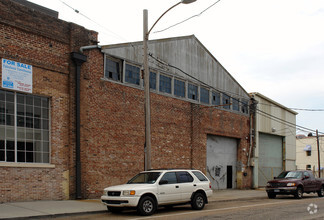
229 177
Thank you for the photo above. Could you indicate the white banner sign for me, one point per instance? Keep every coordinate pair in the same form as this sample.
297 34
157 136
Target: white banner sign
17 76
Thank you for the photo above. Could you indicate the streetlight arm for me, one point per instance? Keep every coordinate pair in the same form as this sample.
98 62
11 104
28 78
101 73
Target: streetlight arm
148 33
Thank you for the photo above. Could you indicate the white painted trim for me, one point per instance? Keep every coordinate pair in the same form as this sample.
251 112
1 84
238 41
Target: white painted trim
27 165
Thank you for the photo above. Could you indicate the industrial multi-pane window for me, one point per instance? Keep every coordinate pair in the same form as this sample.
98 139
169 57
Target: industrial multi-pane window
192 91
215 98
165 84
204 95
132 74
153 80
113 69
179 88
226 101
235 104
24 128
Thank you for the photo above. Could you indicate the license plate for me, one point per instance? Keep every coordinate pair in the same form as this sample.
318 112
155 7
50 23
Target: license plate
276 190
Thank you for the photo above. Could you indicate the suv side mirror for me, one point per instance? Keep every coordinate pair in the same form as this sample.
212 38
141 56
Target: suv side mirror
306 177
163 182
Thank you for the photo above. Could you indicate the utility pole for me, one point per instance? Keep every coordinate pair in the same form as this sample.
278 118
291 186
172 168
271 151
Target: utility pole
319 157
146 33
147 162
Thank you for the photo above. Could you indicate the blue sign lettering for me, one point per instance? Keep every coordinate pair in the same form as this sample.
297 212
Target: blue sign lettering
7 84
9 62
23 65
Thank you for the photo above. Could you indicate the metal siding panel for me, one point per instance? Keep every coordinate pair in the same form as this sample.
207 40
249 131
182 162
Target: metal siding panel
187 54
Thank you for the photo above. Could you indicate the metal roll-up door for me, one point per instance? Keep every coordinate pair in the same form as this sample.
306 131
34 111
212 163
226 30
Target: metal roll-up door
221 161
270 157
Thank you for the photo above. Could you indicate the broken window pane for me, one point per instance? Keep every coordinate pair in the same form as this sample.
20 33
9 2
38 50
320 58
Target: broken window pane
192 91
113 69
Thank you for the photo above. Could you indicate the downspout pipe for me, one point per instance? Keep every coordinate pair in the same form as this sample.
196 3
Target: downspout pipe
79 59
89 47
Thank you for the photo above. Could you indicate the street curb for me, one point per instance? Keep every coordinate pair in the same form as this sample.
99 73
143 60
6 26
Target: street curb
236 199
55 215
45 215
104 211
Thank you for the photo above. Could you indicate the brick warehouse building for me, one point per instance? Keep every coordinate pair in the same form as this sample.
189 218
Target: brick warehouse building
191 118
37 161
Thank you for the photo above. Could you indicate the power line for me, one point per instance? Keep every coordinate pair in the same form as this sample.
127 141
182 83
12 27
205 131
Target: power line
201 82
298 109
295 126
288 124
280 121
78 12
304 109
274 118
197 15
279 118
283 121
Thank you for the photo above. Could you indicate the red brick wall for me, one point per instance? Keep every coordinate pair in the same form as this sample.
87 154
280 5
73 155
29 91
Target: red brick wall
113 134
112 115
36 39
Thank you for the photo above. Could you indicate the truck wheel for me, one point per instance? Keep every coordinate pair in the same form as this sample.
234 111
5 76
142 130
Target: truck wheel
299 193
198 201
271 195
320 192
146 206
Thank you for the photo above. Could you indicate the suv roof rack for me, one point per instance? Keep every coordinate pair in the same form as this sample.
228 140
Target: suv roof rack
172 169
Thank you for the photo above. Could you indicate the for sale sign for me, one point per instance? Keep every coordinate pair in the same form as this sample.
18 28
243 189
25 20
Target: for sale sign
17 76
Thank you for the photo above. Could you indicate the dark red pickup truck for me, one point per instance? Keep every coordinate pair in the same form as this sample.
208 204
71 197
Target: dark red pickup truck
295 183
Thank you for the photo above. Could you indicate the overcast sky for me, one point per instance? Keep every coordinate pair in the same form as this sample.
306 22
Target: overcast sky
274 47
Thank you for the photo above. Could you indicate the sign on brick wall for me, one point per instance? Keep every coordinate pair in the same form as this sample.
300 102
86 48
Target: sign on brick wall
17 76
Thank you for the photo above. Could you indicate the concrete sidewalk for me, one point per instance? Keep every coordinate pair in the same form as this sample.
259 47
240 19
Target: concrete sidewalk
68 207
236 194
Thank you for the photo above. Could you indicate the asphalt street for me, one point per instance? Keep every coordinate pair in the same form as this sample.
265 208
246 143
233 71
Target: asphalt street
284 207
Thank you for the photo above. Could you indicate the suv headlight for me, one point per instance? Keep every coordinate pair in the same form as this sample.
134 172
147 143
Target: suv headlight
105 192
129 193
268 184
291 184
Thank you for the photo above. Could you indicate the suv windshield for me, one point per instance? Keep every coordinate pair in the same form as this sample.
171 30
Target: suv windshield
291 174
146 178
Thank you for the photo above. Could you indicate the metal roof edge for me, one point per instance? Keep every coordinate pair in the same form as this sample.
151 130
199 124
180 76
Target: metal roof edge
192 37
274 102
137 43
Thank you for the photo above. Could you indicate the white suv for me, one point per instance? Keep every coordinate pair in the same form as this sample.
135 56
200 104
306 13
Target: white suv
150 189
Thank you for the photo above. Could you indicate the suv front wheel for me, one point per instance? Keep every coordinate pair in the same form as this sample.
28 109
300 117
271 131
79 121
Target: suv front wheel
198 201
146 206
